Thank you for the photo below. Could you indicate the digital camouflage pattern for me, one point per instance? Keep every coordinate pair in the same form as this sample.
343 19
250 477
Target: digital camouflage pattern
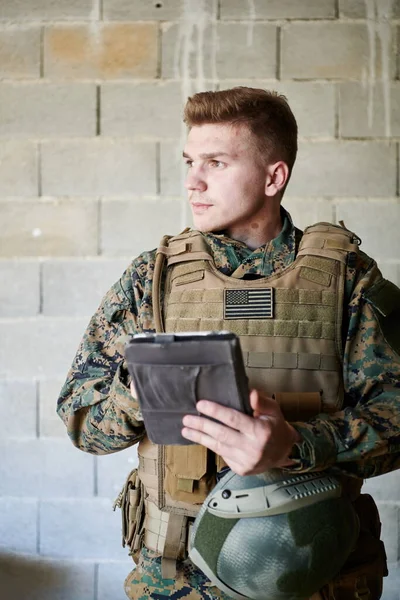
363 439
190 583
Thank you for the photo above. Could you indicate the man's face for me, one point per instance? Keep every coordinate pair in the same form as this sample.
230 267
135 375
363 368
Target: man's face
226 178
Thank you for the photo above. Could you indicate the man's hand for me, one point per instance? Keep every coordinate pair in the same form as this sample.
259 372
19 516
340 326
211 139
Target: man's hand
248 445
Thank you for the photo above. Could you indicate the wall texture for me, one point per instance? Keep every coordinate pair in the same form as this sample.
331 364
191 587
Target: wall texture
91 94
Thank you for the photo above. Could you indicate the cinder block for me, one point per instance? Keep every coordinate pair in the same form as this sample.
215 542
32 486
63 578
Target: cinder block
312 103
18 402
43 110
376 222
44 10
51 348
306 212
185 55
157 217
344 169
105 51
20 288
357 9
81 528
49 227
75 288
217 58
38 578
389 515
146 109
369 111
18 169
343 51
20 52
18 526
45 469
253 53
98 167
111 580
112 471
50 424
383 488
172 10
172 168
276 9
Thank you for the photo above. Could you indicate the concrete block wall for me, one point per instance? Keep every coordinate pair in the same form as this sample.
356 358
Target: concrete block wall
91 93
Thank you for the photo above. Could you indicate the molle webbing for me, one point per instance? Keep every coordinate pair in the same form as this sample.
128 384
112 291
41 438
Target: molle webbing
176 249
320 243
281 297
165 534
290 360
318 270
297 313
264 328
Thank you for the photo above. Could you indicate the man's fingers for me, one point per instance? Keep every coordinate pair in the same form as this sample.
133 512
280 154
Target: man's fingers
201 437
226 436
232 455
133 390
228 416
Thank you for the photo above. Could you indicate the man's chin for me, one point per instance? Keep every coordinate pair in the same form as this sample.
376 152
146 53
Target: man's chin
205 226
208 229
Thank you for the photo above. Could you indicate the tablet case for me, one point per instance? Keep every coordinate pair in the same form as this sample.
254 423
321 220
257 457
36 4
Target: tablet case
171 372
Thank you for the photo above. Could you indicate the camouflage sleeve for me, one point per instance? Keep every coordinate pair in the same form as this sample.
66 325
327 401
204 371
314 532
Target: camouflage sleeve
95 402
364 438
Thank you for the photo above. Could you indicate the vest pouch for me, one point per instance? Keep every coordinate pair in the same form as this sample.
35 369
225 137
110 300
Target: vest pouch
131 502
299 406
187 478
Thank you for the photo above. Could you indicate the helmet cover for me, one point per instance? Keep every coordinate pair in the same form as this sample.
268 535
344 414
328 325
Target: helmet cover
274 536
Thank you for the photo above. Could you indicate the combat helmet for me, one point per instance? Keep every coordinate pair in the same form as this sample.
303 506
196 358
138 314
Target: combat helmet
274 536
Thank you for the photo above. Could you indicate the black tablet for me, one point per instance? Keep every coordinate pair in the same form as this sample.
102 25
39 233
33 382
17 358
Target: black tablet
172 371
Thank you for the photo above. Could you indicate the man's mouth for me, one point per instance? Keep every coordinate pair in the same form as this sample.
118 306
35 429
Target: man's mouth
200 205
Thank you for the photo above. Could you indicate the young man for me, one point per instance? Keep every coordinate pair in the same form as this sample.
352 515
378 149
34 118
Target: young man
330 347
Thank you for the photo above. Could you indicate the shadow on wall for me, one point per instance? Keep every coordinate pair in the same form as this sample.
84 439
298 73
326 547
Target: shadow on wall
32 578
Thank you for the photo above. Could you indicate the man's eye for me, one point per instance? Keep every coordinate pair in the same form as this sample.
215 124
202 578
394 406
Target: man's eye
216 163
188 163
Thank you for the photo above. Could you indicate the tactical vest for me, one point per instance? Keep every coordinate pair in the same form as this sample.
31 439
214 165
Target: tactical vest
294 353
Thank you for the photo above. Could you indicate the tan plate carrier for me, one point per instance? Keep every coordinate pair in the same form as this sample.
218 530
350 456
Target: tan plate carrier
296 356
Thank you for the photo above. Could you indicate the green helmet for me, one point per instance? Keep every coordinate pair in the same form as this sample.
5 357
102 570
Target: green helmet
274 536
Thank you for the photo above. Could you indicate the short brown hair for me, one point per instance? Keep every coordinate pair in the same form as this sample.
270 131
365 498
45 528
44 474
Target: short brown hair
267 115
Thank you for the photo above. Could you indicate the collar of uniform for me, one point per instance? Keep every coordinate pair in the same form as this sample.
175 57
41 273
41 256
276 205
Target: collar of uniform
234 258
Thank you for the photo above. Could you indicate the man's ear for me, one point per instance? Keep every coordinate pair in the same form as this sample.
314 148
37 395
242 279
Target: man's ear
277 177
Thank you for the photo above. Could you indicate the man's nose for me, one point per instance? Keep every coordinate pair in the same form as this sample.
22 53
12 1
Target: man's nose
194 181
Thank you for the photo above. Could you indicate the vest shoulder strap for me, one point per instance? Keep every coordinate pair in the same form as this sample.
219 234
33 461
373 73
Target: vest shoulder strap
329 241
187 246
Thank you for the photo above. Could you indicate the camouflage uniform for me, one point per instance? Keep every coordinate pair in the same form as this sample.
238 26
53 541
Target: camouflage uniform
102 417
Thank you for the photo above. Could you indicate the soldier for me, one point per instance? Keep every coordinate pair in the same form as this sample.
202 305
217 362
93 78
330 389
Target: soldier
330 349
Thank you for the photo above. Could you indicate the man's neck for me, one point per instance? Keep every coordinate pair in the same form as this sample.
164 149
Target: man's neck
257 234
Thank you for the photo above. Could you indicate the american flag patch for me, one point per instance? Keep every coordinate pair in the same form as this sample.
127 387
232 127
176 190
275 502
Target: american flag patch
248 304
